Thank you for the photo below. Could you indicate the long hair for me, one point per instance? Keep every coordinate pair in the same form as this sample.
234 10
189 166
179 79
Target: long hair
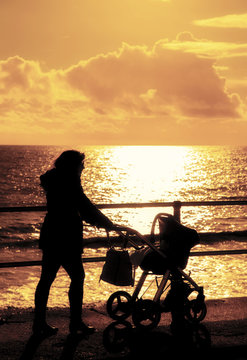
69 160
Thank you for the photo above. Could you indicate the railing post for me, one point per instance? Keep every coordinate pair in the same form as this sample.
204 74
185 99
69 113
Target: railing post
176 210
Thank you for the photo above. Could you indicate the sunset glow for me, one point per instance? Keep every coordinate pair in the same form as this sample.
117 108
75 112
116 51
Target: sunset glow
130 72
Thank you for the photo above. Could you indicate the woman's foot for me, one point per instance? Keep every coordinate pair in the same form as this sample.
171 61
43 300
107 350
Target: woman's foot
44 330
81 329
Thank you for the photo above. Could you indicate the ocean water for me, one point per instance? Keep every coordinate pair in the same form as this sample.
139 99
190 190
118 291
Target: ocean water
119 174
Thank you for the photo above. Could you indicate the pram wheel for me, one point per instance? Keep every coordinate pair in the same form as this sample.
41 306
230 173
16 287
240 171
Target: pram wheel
146 314
119 305
116 336
195 310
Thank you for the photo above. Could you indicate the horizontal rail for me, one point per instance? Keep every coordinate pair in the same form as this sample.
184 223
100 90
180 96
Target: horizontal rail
22 208
103 258
39 262
134 205
219 252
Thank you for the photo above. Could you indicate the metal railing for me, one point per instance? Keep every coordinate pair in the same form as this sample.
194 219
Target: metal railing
176 205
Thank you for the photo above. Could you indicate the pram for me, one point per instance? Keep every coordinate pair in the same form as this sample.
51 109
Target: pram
167 260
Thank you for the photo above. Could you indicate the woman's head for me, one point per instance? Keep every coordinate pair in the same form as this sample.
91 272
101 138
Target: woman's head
70 160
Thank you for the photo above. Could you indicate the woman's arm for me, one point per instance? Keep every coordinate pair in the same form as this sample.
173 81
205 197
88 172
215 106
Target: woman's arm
91 214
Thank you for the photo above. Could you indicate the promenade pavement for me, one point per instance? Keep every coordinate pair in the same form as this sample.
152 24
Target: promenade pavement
221 335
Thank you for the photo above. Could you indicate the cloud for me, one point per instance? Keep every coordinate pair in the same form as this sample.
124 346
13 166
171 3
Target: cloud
33 98
133 91
175 79
227 21
186 42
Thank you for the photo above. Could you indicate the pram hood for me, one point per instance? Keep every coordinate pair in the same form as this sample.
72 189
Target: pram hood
176 240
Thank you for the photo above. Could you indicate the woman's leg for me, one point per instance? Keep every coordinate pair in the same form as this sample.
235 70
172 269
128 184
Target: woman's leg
74 267
50 267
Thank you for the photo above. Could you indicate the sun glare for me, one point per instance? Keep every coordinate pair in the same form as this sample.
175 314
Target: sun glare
143 163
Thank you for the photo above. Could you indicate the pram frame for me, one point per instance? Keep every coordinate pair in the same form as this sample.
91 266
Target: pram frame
133 299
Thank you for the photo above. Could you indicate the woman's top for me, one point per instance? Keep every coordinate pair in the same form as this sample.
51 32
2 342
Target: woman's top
67 207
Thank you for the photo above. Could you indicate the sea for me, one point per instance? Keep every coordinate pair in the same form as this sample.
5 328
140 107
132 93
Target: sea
126 174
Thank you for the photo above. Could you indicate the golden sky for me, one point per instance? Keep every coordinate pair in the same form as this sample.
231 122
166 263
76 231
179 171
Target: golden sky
123 72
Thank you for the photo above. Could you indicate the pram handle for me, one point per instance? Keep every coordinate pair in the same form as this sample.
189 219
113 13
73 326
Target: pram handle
119 229
129 231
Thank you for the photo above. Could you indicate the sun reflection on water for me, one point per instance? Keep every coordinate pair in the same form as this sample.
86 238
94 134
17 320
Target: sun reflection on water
148 173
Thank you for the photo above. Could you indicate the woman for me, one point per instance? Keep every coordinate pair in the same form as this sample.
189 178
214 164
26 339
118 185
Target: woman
61 238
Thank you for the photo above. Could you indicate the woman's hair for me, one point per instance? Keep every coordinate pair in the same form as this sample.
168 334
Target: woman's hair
69 159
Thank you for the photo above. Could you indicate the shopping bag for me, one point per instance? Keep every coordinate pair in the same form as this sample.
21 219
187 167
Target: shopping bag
117 269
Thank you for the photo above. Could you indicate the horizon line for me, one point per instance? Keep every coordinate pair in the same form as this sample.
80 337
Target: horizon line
71 145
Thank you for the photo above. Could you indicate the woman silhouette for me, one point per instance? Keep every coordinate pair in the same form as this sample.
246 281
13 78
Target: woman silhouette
61 238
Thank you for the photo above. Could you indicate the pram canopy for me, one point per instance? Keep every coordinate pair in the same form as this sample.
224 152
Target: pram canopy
176 241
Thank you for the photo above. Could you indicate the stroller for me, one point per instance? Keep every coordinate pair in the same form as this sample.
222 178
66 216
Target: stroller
168 259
